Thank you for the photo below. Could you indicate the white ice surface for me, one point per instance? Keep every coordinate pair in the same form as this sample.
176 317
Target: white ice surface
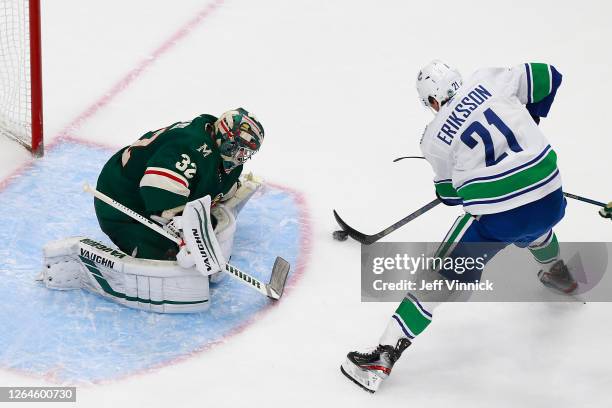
333 83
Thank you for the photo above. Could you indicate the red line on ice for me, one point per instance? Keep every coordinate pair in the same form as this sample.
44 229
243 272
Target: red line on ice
119 87
132 75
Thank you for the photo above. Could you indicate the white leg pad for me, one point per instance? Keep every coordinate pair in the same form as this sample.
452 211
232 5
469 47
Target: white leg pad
62 270
151 285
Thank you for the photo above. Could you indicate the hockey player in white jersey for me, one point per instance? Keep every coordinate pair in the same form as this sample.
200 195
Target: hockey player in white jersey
489 156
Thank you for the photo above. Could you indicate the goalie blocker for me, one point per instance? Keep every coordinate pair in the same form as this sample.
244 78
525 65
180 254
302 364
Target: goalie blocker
201 247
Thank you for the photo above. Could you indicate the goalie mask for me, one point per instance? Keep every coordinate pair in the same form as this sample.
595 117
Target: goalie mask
239 136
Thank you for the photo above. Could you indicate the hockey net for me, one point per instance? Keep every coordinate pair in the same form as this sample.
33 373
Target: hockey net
20 73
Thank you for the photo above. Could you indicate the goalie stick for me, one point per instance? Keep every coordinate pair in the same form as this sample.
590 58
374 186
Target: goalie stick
280 270
370 239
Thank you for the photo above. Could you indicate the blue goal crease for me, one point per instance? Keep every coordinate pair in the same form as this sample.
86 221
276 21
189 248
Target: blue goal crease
78 337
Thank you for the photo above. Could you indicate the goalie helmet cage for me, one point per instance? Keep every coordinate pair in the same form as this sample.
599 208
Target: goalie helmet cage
21 115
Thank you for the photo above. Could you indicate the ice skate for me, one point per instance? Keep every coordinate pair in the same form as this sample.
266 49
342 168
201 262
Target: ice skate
369 370
558 277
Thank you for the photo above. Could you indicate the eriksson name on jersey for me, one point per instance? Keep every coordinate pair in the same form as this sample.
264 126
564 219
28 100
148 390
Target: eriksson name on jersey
462 111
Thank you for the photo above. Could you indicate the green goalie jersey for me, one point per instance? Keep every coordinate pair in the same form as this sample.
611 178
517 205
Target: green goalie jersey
164 169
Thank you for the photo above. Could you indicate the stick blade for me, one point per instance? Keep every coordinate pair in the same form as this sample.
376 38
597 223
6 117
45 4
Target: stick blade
280 271
356 235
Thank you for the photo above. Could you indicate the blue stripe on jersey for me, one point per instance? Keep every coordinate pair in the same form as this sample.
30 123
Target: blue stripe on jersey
528 83
498 200
505 173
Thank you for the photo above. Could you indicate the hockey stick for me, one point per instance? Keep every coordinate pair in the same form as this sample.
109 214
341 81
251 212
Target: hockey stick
407 157
280 270
347 230
584 199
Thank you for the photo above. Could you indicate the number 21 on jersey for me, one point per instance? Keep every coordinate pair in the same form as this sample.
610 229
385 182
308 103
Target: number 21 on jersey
477 128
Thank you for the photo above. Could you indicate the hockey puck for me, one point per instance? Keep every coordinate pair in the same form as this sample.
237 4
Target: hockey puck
340 235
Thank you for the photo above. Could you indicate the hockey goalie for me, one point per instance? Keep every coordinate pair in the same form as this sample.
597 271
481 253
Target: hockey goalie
185 178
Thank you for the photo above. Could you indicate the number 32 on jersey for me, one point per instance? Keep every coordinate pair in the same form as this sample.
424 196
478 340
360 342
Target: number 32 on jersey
186 167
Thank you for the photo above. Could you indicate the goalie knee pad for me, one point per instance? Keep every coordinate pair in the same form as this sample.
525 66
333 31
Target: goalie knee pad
151 285
226 212
249 184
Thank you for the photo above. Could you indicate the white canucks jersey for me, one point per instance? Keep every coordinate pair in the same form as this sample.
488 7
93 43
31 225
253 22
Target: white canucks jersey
486 151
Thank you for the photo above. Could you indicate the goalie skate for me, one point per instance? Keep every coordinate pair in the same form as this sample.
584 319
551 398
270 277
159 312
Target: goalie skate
369 370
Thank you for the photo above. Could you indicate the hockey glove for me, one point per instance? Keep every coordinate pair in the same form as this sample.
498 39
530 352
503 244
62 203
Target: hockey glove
447 202
184 258
606 211
173 226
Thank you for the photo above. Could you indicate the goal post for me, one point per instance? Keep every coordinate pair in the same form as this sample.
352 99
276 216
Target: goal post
36 78
21 110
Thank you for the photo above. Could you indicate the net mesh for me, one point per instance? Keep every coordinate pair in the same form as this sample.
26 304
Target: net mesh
15 83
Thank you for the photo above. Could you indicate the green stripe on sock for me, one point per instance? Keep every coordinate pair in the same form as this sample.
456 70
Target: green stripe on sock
512 183
441 253
547 253
540 75
412 317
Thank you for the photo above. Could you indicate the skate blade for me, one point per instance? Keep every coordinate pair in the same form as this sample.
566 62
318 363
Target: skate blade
571 289
560 290
365 379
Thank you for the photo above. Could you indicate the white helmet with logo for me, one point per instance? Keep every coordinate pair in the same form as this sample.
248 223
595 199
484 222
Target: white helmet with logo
437 80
